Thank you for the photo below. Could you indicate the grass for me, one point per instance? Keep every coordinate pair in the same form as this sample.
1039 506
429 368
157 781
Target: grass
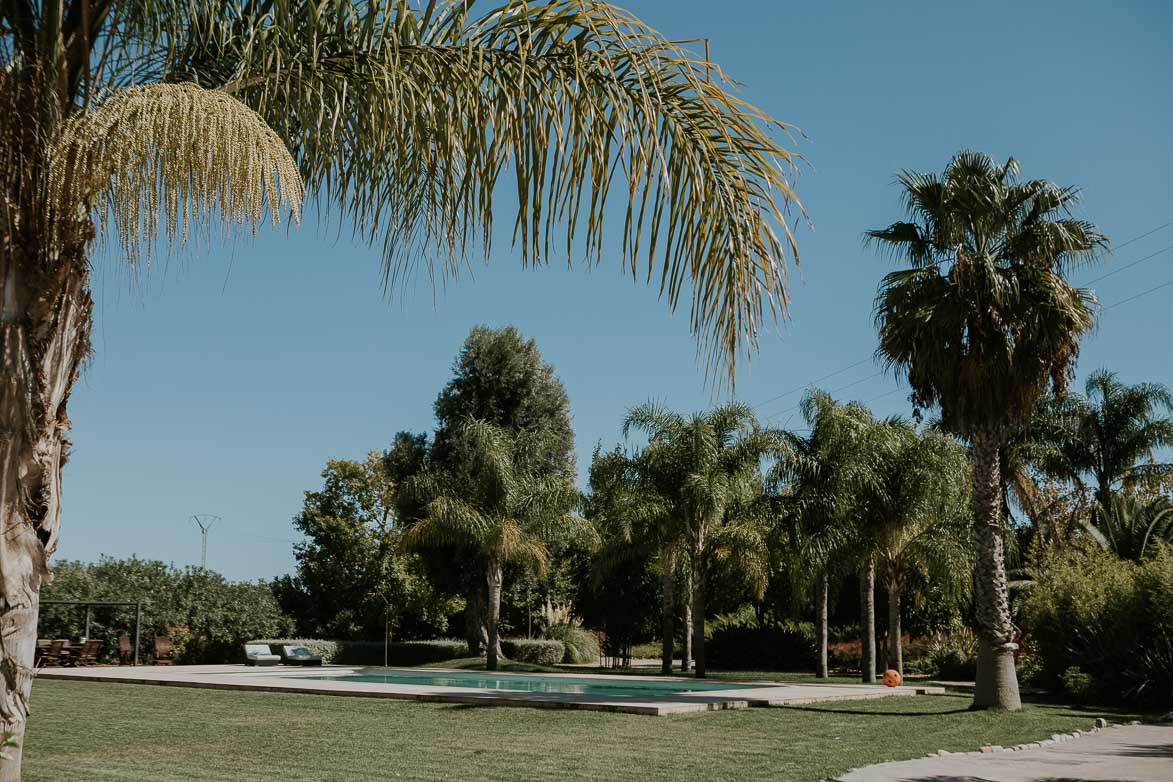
102 731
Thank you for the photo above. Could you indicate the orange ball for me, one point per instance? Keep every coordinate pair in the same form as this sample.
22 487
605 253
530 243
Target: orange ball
892 678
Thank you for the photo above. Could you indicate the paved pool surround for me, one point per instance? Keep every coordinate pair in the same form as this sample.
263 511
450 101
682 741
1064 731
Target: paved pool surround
739 695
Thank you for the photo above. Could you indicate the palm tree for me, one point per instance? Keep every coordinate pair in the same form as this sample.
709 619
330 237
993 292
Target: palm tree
1132 527
981 323
707 465
628 508
823 473
1109 434
122 119
506 507
918 511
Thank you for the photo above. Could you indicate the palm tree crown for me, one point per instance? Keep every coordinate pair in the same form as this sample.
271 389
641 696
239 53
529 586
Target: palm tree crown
983 317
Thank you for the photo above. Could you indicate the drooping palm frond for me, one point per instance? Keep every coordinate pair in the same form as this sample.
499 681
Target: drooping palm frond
162 158
406 120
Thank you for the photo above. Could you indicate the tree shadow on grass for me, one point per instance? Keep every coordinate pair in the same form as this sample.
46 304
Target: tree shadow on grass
830 709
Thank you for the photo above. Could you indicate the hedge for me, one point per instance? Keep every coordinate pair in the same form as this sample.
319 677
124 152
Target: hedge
789 647
582 645
536 651
371 652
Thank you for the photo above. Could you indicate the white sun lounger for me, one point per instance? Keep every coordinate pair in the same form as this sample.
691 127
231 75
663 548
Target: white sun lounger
259 654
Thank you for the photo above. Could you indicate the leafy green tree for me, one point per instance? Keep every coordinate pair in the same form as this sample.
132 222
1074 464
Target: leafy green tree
707 470
1107 437
207 616
352 578
498 377
146 117
981 323
504 504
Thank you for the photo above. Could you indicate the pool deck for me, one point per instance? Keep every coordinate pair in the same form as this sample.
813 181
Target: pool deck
297 680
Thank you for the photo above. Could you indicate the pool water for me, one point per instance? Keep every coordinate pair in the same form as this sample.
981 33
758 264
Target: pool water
536 683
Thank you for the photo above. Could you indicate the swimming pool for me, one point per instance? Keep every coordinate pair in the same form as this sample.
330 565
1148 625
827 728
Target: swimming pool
536 682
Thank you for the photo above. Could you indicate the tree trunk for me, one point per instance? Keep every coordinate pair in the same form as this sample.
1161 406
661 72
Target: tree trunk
867 621
493 579
698 616
997 681
895 645
821 621
667 607
45 317
686 653
475 613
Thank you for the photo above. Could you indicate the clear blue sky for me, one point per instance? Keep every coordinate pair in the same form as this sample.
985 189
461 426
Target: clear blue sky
224 382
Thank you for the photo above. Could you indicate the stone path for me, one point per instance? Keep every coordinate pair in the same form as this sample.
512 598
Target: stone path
1123 753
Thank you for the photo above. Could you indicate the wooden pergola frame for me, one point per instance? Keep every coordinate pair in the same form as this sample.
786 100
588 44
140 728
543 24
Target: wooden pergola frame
89 604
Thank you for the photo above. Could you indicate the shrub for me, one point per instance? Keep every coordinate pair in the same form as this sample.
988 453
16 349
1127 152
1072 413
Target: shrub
371 652
1108 617
845 655
952 656
651 650
1077 684
582 645
785 647
537 651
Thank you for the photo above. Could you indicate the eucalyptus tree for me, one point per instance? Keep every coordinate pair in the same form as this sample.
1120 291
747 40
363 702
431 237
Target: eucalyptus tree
918 513
981 322
506 506
707 468
822 474
146 117
1107 437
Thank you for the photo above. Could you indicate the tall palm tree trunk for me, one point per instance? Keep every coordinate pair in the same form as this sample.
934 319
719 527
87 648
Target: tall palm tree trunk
698 616
867 621
895 645
493 579
667 607
821 621
45 319
686 652
997 681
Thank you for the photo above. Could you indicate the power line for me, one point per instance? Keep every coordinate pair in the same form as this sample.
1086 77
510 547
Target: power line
1137 296
1119 269
811 383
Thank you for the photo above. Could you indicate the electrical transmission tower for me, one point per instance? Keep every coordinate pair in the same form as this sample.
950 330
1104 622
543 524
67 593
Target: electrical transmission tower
204 521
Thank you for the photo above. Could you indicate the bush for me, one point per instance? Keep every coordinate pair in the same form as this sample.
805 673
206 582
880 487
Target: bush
371 652
1110 618
786 647
582 645
952 656
537 651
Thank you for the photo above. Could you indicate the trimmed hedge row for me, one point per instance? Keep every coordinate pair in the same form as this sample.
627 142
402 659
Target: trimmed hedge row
536 651
371 652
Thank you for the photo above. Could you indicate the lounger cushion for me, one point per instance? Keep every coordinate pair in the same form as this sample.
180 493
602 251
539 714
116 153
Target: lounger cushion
300 655
259 654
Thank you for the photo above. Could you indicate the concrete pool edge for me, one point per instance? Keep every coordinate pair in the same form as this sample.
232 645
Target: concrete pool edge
291 680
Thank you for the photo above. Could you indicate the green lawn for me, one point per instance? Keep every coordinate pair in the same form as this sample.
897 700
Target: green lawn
93 731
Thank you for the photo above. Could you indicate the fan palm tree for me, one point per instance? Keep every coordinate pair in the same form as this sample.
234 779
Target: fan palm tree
917 508
708 468
822 473
131 119
1106 437
981 324
505 506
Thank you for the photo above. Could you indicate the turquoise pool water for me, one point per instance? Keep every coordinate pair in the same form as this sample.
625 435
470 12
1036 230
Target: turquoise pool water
573 685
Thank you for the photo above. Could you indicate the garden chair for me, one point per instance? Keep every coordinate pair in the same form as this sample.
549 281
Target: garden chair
259 654
125 650
65 652
89 652
164 651
51 655
299 655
